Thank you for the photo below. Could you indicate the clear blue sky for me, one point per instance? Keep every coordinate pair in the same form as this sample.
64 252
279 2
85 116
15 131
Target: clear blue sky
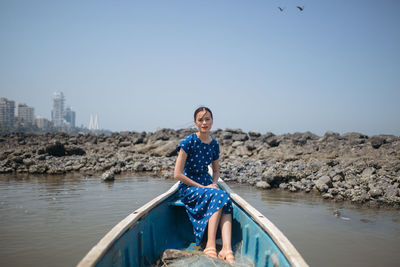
143 65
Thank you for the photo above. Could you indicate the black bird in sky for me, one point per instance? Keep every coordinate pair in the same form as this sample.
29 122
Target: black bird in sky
300 8
281 8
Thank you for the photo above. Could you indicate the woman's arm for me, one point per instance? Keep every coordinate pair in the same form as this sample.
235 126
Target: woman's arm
178 171
216 174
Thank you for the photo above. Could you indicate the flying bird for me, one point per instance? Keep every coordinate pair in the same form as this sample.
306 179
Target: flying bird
281 8
301 8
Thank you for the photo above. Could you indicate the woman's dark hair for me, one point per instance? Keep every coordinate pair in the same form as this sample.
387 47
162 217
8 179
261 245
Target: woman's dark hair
202 109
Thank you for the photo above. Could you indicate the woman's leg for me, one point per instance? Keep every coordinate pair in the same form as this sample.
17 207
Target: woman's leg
213 223
226 232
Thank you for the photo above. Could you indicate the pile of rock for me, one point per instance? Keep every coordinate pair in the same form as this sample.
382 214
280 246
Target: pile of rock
351 166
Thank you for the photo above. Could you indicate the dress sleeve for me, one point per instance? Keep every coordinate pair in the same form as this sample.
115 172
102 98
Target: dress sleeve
185 145
216 151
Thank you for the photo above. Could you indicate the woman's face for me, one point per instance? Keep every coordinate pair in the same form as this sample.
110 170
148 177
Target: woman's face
204 121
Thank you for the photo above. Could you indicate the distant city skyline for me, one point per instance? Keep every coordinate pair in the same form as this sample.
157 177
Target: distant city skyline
13 116
143 65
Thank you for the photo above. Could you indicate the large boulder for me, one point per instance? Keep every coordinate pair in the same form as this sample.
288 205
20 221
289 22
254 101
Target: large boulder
263 185
168 149
323 183
57 149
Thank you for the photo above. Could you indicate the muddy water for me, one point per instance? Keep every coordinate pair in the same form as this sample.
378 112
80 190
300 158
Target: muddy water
55 220
356 237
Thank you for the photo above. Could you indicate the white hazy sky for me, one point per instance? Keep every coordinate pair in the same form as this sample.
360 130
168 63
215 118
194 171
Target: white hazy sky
143 65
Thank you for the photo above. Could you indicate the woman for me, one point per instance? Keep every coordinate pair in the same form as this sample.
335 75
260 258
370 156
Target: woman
205 203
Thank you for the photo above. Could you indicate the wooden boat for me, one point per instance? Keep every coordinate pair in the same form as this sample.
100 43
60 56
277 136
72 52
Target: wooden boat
162 223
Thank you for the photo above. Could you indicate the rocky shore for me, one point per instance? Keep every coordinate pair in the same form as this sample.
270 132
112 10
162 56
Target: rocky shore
348 167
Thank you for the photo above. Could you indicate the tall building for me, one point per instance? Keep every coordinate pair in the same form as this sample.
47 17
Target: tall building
69 116
57 114
7 112
42 123
25 115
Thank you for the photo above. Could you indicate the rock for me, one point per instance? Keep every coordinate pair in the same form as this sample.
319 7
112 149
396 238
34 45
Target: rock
336 213
292 188
166 150
391 192
55 170
263 185
355 138
29 162
337 178
375 192
268 176
39 169
125 144
299 139
361 169
330 134
368 172
108 176
254 135
77 167
240 137
163 134
323 183
237 144
234 131
273 141
377 141
360 197
3 156
250 146
56 150
226 135
139 167
284 186
74 150
333 191
18 159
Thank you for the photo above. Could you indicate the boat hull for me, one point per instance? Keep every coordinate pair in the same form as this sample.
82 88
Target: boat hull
163 224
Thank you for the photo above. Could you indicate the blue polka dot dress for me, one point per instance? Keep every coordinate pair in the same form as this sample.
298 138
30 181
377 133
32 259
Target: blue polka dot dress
200 202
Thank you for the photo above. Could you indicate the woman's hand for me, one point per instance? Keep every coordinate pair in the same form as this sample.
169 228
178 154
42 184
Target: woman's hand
215 186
